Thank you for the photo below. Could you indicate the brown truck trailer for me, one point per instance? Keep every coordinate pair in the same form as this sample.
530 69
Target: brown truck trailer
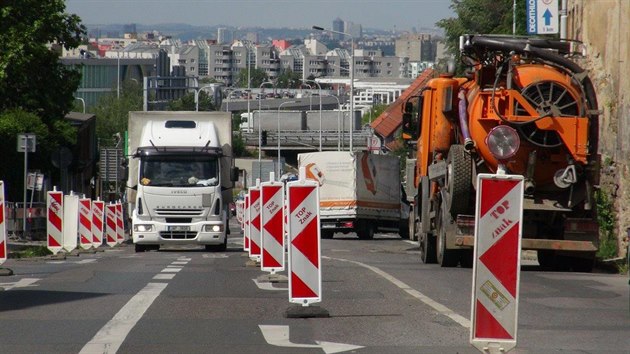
523 107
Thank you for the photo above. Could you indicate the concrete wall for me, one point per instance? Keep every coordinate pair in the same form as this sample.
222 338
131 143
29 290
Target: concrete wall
604 27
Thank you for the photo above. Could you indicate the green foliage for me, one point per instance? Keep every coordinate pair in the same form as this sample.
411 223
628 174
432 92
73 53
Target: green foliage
373 113
18 121
481 17
112 112
288 79
606 220
31 76
257 77
187 103
31 251
238 146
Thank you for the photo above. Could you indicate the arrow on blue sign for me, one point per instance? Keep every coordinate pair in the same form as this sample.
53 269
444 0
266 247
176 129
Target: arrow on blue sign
547 16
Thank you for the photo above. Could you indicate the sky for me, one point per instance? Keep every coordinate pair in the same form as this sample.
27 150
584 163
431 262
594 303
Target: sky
379 14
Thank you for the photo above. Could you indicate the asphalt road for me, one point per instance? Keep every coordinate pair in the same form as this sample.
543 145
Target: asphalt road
380 297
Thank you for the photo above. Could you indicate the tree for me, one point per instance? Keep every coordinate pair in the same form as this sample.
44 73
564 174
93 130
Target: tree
112 112
288 79
483 17
31 76
257 76
187 102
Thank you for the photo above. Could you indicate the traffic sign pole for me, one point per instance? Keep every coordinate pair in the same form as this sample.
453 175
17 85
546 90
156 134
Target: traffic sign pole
496 270
3 227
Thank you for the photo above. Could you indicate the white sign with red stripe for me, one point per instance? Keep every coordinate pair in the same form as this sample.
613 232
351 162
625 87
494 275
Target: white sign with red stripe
110 225
496 272
98 224
305 274
85 223
70 221
239 212
254 223
54 223
3 226
120 224
272 220
246 223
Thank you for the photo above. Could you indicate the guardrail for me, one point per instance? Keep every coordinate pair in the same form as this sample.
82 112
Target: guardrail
308 139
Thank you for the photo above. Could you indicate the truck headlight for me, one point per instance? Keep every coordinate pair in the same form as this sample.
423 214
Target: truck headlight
143 228
213 228
503 142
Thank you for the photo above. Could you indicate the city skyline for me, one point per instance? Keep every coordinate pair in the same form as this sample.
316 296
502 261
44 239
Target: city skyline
393 15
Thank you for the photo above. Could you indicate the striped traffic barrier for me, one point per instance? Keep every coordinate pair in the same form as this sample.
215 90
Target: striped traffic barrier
254 222
496 270
85 223
305 274
120 225
110 225
98 225
3 227
272 221
246 223
70 221
54 223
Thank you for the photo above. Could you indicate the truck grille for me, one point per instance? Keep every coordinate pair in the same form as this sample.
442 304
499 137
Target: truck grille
179 212
178 235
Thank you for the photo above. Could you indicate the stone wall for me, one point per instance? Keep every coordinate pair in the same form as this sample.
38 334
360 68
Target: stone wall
604 27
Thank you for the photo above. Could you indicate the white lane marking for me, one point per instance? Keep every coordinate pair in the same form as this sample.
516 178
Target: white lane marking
83 261
174 266
267 285
184 259
464 322
112 335
177 262
171 270
22 283
215 255
164 276
279 336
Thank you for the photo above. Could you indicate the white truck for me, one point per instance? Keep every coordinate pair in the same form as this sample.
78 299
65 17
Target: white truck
359 192
180 178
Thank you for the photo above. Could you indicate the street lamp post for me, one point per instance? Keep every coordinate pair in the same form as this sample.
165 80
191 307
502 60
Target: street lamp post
259 129
197 96
278 137
320 112
338 122
351 75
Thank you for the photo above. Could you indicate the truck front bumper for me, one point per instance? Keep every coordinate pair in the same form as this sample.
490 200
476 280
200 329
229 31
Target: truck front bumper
200 234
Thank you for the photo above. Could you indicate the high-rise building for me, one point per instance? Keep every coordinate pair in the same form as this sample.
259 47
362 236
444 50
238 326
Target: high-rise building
337 25
225 36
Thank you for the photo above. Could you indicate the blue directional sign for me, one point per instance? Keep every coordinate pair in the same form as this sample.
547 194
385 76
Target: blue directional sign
542 16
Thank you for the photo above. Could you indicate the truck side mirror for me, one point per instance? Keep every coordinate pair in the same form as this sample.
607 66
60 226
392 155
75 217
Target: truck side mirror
234 172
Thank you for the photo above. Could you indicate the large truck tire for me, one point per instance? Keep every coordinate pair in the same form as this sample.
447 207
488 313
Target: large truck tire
458 183
413 223
365 230
326 234
445 228
427 248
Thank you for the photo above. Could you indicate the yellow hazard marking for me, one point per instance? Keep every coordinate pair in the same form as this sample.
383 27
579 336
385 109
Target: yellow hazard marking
494 295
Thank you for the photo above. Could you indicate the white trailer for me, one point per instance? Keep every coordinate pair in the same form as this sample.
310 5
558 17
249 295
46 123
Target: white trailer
180 178
359 192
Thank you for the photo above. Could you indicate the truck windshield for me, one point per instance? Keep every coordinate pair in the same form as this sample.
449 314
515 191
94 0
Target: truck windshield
178 171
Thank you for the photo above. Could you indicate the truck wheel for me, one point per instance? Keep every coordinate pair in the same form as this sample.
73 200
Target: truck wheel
445 257
218 248
458 181
365 231
413 220
466 258
427 248
140 248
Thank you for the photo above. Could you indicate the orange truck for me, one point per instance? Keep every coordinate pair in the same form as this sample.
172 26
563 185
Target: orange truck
523 107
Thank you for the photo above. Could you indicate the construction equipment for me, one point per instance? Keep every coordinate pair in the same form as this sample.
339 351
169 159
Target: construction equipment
524 107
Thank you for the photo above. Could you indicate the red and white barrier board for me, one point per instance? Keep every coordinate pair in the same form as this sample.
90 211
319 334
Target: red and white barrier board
70 222
110 225
54 223
254 223
305 275
98 224
272 220
239 212
120 224
246 223
496 271
85 223
3 226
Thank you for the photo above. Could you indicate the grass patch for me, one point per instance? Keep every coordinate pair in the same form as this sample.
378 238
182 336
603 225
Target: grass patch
31 252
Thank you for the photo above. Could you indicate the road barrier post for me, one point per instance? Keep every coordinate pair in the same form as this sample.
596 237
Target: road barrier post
85 223
70 221
98 225
54 223
272 221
